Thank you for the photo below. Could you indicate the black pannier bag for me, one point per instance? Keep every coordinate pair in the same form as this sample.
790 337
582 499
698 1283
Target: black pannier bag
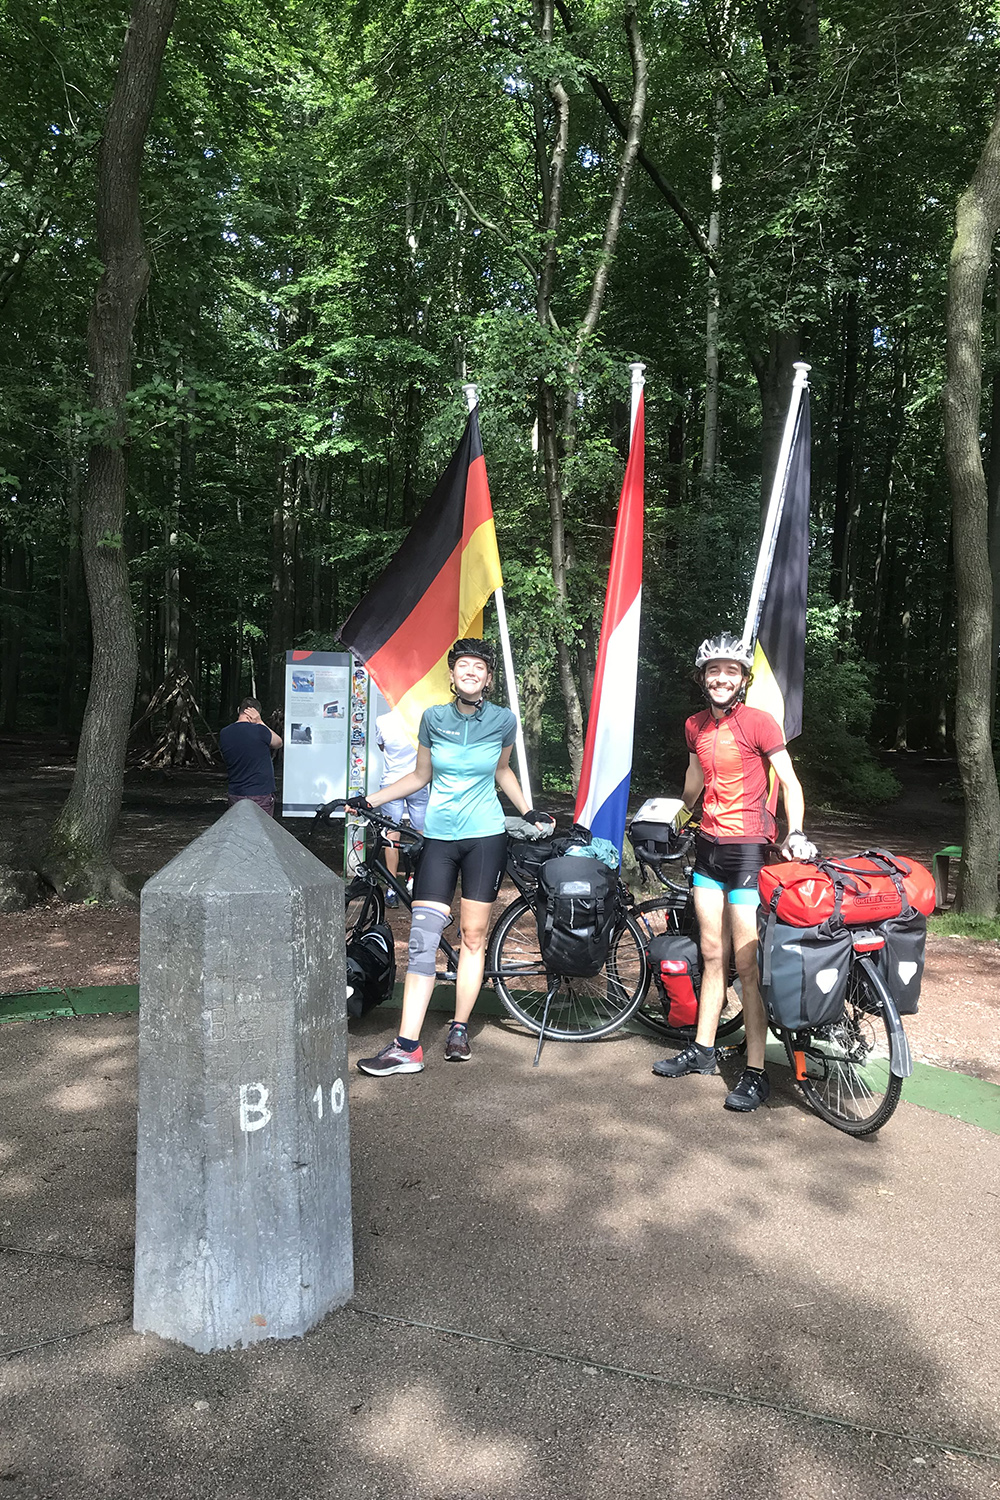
530 854
803 971
676 964
575 908
371 968
901 962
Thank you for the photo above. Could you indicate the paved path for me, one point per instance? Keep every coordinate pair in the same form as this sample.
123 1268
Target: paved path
607 1285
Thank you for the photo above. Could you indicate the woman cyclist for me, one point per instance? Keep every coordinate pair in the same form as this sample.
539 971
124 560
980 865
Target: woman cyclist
464 752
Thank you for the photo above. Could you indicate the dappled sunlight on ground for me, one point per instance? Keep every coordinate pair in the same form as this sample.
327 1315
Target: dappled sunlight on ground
417 1428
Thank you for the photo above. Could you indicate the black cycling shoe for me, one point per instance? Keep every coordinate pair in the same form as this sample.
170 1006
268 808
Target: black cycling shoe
693 1059
751 1090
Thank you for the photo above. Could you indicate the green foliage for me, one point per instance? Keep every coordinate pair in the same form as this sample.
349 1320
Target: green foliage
833 757
343 206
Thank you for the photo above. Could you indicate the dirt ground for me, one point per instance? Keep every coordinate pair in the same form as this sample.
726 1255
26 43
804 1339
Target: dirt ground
58 945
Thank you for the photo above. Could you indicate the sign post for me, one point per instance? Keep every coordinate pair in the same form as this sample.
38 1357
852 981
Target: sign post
357 769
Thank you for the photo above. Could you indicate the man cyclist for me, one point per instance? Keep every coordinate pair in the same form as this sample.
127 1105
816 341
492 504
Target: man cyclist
731 749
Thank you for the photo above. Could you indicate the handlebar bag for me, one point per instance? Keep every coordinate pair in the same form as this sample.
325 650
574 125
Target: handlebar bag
901 962
676 964
530 854
865 889
803 971
655 841
371 968
575 908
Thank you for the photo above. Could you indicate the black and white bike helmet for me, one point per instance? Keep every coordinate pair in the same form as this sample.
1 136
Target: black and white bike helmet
723 647
471 647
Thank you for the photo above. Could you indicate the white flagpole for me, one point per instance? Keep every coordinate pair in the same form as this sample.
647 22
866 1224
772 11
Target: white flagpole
472 400
775 505
638 381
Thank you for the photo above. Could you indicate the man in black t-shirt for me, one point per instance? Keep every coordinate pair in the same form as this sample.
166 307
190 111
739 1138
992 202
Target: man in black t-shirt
246 748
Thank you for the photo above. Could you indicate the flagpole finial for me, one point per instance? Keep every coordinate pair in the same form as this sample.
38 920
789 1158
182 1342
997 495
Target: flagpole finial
636 368
801 373
472 395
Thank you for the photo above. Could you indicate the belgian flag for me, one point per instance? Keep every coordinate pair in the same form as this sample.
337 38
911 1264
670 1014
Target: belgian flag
433 590
779 651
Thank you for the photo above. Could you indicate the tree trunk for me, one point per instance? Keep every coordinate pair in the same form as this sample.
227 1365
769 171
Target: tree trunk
78 862
846 428
554 454
976 224
710 439
15 594
282 625
993 494
75 625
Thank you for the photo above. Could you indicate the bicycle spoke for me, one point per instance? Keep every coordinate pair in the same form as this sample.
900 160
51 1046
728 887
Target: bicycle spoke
848 1078
582 1007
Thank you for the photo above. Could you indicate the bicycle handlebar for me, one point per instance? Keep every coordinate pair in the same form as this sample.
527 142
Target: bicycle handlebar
369 815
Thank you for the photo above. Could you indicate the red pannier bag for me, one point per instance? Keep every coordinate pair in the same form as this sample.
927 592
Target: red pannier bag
676 965
862 890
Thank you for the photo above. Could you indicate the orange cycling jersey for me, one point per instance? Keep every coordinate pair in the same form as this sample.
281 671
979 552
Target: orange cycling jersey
733 753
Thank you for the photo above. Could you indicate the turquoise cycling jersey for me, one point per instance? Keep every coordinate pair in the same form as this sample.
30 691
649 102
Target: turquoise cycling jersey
465 751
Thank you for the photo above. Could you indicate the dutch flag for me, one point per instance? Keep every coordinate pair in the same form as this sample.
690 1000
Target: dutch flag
602 800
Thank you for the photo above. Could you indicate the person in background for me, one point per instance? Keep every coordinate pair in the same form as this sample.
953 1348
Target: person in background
399 758
246 749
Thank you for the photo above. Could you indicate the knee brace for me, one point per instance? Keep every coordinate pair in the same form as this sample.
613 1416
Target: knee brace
425 934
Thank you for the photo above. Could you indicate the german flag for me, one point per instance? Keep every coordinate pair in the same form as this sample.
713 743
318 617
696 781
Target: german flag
433 590
779 651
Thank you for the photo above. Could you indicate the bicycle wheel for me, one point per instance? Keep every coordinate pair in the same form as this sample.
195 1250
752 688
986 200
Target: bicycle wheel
847 1080
364 905
582 1010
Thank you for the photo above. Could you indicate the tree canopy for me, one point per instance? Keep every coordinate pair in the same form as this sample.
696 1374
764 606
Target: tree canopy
350 209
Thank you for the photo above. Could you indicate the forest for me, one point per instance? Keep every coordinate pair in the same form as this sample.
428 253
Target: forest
327 215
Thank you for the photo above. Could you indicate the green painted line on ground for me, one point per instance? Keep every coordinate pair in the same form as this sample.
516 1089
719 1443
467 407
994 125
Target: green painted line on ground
945 1092
973 1100
46 1005
39 1005
104 999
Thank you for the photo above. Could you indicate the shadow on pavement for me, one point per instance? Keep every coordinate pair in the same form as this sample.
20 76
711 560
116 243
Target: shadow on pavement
586 1209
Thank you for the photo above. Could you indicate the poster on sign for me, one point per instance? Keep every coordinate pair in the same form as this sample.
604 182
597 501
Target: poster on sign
331 748
317 729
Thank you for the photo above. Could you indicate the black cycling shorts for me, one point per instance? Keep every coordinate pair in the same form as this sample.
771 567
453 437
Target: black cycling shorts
481 863
729 867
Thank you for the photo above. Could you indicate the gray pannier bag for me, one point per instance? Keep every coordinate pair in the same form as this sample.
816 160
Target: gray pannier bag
803 972
901 962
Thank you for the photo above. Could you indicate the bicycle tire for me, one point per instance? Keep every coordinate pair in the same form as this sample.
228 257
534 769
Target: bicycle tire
582 1010
364 905
848 1081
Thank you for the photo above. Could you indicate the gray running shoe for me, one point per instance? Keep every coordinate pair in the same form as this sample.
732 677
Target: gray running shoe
457 1047
688 1061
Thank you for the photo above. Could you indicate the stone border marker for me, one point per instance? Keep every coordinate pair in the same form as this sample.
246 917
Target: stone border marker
243 1193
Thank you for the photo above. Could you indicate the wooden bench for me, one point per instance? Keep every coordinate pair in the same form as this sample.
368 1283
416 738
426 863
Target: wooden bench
940 866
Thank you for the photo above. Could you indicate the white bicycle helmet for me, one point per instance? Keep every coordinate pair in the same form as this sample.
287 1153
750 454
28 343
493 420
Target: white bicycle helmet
723 647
